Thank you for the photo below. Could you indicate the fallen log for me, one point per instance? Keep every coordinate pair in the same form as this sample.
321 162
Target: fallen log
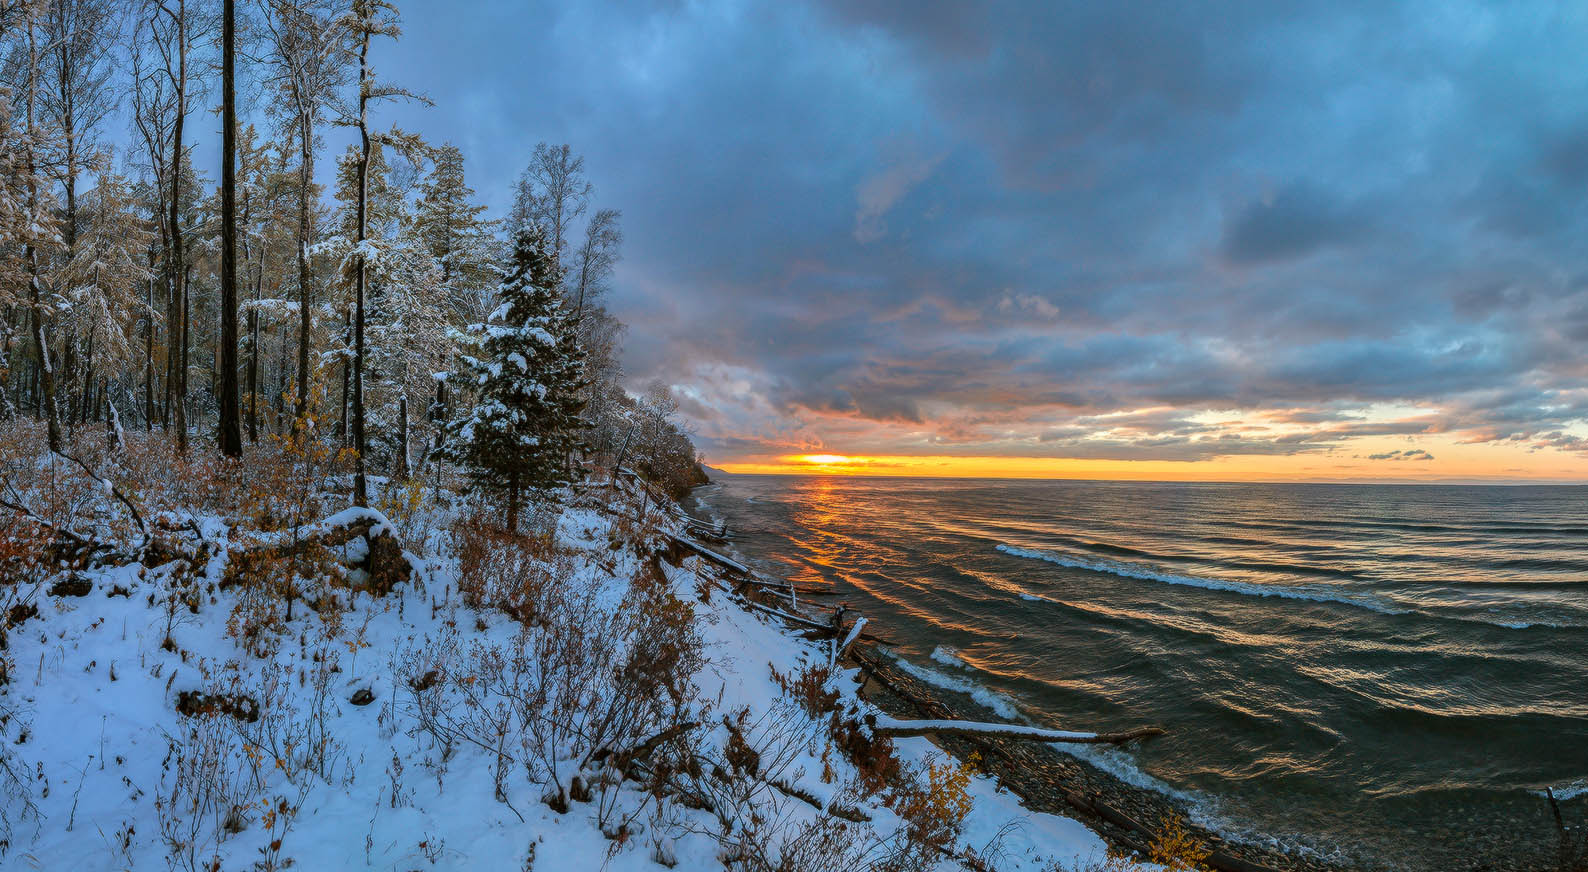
775 585
719 559
784 595
854 633
793 619
386 563
888 726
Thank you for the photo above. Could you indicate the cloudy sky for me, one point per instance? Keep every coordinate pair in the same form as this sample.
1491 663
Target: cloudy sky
1169 240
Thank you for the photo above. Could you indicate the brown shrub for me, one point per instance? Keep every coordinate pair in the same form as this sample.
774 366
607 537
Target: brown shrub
808 686
505 571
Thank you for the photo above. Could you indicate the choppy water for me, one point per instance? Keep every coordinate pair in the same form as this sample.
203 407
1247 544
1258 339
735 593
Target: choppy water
1389 672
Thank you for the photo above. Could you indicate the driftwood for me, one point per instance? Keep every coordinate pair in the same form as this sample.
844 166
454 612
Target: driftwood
889 727
719 559
854 633
789 598
624 759
781 587
793 619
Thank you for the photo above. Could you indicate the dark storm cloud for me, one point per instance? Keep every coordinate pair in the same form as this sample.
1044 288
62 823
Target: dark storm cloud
1066 229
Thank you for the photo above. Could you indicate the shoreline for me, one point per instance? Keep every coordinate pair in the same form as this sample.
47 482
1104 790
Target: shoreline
1050 781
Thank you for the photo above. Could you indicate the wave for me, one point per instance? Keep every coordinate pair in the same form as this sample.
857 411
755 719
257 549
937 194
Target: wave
1145 573
948 655
987 698
1308 594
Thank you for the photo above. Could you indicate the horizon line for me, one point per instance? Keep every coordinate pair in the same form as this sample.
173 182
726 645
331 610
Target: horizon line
1427 481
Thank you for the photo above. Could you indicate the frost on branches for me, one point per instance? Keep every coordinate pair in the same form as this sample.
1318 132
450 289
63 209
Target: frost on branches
524 422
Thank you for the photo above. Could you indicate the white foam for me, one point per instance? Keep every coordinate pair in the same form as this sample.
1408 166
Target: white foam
1118 763
990 699
947 655
1127 570
1564 792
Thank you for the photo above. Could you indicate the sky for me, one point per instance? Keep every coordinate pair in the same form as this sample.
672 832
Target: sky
1302 240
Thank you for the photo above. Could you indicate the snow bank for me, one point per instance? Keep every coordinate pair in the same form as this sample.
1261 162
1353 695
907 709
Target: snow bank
94 728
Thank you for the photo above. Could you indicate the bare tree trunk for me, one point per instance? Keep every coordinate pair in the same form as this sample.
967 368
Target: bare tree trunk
230 436
402 436
305 188
278 404
88 380
344 433
177 269
30 253
360 485
182 398
253 363
257 277
148 353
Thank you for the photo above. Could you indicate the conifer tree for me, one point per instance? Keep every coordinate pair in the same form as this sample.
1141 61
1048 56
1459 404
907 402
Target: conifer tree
525 421
456 233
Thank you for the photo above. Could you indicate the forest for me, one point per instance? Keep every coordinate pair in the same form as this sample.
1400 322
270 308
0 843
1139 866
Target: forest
140 292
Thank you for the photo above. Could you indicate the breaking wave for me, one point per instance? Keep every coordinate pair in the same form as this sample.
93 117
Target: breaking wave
991 700
1147 573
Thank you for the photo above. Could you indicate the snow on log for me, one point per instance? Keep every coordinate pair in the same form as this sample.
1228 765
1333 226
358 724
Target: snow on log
386 562
711 555
854 633
888 726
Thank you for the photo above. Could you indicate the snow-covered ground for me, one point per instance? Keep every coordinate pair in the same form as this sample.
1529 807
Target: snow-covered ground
372 745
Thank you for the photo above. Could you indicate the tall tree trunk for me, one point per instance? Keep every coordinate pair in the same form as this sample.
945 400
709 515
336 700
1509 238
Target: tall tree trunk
30 253
305 191
69 136
230 436
173 330
256 276
279 402
402 436
88 380
181 389
360 485
344 432
148 353
178 269
253 360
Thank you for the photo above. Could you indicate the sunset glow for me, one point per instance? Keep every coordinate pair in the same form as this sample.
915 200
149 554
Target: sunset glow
1443 459
824 459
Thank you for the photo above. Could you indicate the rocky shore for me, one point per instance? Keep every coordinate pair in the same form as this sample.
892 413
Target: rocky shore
1125 815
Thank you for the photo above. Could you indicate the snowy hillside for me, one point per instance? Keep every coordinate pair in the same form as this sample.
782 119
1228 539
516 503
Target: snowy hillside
562 701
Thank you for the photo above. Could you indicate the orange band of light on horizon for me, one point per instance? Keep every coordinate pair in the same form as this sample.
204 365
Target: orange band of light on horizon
1453 462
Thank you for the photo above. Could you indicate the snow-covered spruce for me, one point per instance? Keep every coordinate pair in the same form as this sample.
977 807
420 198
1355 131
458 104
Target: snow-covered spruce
524 388
555 702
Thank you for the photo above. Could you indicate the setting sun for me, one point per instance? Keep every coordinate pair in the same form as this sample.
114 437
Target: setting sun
824 459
